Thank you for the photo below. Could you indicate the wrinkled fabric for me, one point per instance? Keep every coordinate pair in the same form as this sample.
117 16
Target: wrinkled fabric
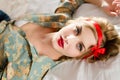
23 62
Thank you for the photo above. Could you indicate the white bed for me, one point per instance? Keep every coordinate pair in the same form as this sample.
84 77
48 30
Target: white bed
69 70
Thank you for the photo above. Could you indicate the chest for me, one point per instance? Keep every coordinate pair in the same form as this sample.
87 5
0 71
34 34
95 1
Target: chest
35 34
35 29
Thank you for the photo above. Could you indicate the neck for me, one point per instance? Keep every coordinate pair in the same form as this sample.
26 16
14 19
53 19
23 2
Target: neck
47 48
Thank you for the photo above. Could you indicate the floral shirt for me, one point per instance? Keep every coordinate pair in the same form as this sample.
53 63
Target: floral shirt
19 60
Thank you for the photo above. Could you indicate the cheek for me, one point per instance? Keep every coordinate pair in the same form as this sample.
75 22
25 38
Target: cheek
66 30
72 52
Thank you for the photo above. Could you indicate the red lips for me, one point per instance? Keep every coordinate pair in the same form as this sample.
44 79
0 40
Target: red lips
61 42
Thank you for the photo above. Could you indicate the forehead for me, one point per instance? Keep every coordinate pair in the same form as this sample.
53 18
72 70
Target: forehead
88 35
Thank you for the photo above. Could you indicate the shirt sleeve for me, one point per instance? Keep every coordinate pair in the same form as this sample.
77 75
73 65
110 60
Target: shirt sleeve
62 13
68 6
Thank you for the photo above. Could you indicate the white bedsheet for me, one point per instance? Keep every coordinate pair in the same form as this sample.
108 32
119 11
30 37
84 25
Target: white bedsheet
69 70
17 8
81 70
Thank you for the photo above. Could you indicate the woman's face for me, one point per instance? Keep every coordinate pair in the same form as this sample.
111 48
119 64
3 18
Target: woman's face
74 39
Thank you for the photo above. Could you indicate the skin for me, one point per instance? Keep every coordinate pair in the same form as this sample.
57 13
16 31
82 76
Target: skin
110 7
76 37
75 43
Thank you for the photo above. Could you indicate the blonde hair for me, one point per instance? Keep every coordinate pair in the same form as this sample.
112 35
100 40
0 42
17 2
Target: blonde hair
111 40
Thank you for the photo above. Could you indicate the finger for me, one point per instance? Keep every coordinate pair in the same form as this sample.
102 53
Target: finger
116 2
118 12
117 7
113 13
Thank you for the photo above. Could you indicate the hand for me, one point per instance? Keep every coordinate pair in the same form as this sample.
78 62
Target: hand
111 7
117 6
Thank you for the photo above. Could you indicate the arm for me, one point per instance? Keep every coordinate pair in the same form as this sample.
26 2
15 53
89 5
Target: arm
68 6
46 20
62 13
65 9
95 2
110 7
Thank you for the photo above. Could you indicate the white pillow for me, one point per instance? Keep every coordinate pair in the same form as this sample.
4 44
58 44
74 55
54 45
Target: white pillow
81 70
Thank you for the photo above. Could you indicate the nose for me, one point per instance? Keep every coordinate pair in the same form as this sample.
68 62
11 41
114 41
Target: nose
71 39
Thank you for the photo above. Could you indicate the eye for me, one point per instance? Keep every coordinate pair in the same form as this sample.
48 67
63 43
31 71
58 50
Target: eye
80 46
78 30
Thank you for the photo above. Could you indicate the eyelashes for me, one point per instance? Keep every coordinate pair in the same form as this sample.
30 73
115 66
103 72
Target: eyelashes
78 30
80 46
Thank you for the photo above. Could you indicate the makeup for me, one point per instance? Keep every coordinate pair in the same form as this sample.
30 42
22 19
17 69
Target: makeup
61 42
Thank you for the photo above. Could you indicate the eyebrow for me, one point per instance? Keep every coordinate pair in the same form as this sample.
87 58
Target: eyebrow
83 45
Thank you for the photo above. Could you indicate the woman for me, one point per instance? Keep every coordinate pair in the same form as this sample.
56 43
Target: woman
30 47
